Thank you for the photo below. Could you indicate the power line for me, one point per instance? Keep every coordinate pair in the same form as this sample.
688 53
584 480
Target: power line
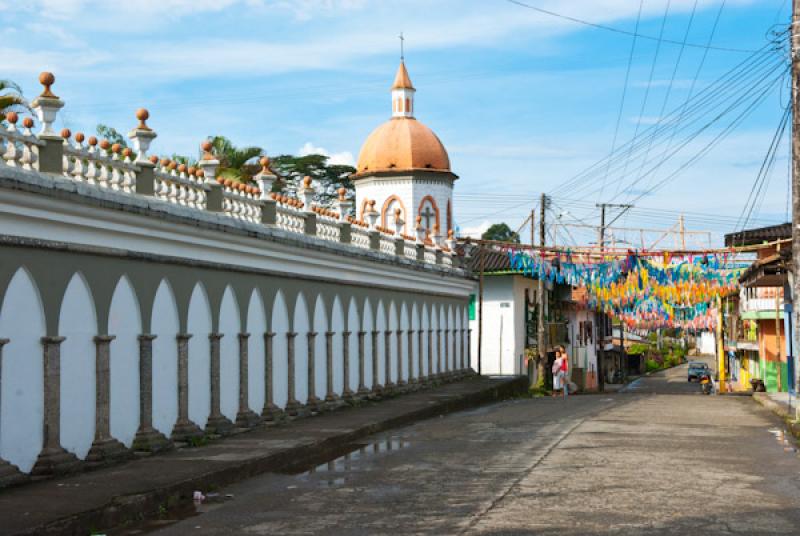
624 92
671 82
696 74
724 82
647 88
620 30
738 100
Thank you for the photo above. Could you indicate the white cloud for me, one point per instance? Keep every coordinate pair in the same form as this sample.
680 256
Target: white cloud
344 158
474 231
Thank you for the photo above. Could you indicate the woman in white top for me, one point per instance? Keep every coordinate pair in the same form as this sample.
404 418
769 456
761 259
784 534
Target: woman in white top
557 374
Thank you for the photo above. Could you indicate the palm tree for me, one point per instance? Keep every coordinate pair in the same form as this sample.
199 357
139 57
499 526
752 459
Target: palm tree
236 163
11 99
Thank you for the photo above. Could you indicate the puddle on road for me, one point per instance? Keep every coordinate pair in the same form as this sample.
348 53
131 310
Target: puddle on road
327 471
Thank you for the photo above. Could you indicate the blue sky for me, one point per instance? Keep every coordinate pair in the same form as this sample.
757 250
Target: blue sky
523 101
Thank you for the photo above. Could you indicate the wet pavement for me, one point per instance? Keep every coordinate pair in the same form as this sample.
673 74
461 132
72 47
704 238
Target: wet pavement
657 459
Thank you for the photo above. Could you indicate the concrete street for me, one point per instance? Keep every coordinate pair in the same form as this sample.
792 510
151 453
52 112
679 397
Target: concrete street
658 458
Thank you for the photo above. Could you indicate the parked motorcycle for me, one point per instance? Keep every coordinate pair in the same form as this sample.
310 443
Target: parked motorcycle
706 385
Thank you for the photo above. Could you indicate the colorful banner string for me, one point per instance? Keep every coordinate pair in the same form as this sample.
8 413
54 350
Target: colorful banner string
639 291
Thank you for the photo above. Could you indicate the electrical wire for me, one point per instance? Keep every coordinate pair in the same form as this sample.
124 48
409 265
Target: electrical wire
618 30
624 92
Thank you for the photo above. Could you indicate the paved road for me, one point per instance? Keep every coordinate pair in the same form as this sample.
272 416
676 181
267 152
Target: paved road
660 459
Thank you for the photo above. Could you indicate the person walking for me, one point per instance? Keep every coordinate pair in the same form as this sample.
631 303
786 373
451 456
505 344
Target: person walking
557 375
564 370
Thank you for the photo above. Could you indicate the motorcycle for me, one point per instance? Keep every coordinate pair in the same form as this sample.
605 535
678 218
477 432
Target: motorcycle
706 385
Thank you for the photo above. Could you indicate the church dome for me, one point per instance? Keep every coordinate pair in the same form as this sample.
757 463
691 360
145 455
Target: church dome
402 144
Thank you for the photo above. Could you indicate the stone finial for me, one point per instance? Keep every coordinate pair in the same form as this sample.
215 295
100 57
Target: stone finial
371 214
47 79
79 137
399 222
420 230
344 204
264 178
208 163
451 240
66 133
142 115
207 147
12 117
46 106
307 192
142 137
105 145
437 237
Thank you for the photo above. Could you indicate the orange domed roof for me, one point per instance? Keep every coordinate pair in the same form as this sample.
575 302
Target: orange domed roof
402 144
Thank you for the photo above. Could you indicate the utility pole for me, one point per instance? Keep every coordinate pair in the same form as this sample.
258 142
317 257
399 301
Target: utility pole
482 261
600 317
795 52
541 335
532 372
682 232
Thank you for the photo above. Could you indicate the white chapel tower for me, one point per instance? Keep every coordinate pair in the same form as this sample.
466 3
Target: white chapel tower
403 165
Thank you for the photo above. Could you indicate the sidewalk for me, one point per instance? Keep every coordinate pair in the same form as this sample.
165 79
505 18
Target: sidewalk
142 488
778 403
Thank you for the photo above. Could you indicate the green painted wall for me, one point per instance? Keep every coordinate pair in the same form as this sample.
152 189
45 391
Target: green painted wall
769 371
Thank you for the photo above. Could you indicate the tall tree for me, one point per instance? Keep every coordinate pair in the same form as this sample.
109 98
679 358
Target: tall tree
236 163
328 178
11 99
500 232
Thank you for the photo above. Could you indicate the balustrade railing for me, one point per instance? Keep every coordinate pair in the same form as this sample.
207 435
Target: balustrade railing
328 229
102 164
359 237
240 201
430 255
20 148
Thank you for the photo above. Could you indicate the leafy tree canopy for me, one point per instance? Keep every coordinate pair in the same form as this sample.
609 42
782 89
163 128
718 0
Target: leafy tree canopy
111 134
500 232
328 178
11 99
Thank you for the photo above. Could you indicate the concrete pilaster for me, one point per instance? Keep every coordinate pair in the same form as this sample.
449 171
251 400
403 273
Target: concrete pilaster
53 459
420 373
245 417
412 379
105 449
331 398
217 424
431 371
147 438
313 404
270 412
347 393
401 383
469 350
377 388
184 429
293 407
362 386
10 474
439 355
388 384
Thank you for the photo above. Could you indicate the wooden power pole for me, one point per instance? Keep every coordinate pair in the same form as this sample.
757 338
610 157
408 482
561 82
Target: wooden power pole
795 45
541 334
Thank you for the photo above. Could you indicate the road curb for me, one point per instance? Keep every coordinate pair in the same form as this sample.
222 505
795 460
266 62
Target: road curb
779 410
122 509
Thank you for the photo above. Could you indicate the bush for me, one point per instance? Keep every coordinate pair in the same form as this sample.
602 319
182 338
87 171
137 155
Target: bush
651 365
